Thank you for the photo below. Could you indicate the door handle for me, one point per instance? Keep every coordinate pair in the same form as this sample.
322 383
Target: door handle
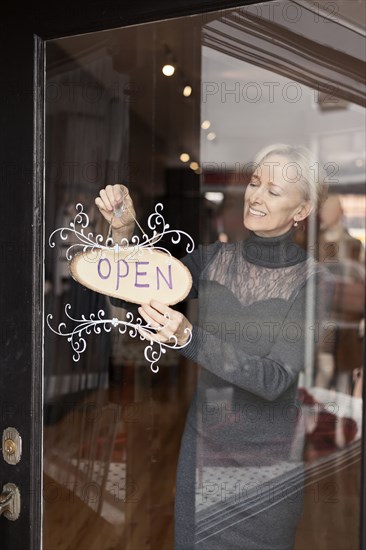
10 502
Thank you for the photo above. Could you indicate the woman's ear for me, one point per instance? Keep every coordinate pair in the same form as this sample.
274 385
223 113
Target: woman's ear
304 211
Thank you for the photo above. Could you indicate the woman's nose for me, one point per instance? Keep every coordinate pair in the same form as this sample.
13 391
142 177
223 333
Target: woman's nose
256 195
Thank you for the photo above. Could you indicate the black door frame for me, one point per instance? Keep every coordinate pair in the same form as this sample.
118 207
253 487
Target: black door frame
22 39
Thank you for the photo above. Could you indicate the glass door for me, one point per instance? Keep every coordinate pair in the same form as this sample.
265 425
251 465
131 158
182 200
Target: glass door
113 426
176 111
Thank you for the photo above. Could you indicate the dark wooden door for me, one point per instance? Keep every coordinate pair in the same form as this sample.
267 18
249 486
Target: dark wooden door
23 42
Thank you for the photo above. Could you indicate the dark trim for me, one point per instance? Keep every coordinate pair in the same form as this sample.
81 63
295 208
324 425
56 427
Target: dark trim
69 18
340 75
363 460
36 457
17 328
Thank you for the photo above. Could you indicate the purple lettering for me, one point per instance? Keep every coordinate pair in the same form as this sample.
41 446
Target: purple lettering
99 268
119 276
140 273
170 282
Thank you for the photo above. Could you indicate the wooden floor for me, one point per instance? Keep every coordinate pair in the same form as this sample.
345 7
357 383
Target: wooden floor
331 513
110 466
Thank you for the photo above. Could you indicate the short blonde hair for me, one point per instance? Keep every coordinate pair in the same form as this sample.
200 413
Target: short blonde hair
312 175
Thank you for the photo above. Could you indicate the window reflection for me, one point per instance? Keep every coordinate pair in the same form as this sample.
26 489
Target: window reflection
343 254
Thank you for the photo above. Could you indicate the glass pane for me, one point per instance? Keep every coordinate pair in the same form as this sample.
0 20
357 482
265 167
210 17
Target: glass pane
250 435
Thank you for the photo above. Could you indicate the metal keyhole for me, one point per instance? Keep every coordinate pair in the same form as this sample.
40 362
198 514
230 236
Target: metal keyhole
11 446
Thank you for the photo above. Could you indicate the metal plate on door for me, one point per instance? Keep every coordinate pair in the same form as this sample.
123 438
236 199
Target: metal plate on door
10 502
11 446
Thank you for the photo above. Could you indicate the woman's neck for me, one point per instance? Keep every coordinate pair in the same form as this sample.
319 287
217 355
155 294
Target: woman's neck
275 251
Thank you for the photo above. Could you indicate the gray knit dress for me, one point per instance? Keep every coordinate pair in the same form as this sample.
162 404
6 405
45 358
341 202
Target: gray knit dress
240 471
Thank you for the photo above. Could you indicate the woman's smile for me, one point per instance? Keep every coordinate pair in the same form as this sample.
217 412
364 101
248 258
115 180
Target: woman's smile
256 213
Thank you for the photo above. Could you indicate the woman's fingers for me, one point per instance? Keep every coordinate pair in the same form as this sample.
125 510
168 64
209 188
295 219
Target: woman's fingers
171 326
149 320
116 194
162 308
107 211
105 200
107 214
100 204
155 316
109 192
162 324
111 198
155 319
158 337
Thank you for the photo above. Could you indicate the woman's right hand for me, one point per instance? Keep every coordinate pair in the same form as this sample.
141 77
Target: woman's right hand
110 199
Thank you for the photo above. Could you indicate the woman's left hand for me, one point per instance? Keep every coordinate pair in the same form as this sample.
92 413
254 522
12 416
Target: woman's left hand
166 321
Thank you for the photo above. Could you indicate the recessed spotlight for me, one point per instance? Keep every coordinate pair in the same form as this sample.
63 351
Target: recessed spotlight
187 91
359 163
205 124
184 157
211 136
168 70
194 165
214 196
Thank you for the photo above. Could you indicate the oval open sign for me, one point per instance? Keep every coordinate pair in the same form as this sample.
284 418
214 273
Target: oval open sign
133 274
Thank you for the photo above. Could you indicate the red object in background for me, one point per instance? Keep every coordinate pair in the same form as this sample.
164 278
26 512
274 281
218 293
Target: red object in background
322 439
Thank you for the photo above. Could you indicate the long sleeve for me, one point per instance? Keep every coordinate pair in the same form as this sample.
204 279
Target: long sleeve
268 376
196 262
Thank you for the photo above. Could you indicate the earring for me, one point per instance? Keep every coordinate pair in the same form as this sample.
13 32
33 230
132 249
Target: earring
296 224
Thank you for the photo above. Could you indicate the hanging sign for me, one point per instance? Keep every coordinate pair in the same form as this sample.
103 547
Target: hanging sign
136 271
134 274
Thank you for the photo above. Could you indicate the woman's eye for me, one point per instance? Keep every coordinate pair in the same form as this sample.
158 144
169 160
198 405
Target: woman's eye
274 194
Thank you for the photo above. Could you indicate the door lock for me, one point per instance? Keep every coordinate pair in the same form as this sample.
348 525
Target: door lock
10 502
12 446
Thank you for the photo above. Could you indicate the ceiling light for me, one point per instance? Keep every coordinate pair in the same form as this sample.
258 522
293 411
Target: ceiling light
168 70
194 165
169 61
205 124
214 196
184 157
187 91
211 136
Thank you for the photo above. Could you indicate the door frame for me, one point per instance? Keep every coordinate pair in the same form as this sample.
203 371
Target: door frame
23 40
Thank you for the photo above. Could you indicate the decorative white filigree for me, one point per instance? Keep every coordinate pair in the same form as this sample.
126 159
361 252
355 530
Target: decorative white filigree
87 242
97 322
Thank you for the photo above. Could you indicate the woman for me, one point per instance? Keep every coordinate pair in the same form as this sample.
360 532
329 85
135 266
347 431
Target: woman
239 474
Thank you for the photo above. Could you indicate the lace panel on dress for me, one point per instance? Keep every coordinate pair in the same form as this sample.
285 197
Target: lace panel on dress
250 282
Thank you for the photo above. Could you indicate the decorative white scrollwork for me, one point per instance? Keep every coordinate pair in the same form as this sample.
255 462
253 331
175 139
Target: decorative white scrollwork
87 241
97 322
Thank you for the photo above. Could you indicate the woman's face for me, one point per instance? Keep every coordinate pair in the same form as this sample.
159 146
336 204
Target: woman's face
274 199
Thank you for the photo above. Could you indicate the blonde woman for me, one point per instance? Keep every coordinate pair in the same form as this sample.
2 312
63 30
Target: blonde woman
239 478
